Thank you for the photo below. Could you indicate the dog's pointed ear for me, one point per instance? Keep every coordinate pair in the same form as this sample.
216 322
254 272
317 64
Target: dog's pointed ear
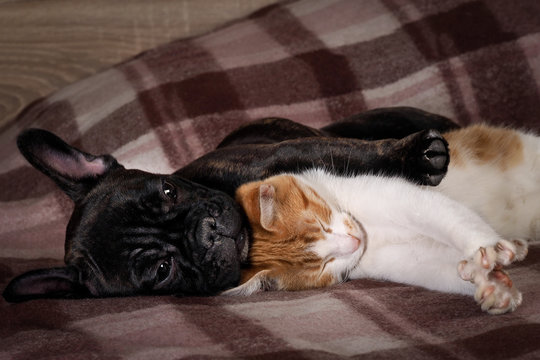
261 281
61 282
73 170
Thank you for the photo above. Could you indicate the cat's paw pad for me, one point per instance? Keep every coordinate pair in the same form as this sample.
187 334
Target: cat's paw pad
497 294
477 268
510 251
486 257
467 270
522 249
495 291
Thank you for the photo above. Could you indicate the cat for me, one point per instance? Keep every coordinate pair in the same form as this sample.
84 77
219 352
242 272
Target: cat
307 234
316 229
495 171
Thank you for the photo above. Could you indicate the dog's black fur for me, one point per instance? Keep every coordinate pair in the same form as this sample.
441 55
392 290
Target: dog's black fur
133 232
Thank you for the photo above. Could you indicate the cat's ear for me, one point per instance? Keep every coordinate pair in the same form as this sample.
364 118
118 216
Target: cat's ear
73 170
261 281
267 205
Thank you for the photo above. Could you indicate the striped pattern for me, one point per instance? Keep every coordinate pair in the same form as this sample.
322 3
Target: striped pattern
313 61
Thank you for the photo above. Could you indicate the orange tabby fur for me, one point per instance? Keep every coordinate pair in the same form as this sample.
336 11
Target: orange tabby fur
282 246
499 146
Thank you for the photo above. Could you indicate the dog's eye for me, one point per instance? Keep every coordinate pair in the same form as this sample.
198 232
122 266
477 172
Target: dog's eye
163 271
169 190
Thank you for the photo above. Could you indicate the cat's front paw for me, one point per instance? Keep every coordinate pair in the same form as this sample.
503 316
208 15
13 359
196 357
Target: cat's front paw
495 291
428 157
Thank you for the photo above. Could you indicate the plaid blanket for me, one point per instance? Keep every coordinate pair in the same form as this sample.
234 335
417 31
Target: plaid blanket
315 62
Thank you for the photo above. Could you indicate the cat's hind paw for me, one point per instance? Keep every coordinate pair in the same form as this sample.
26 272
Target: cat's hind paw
497 295
510 251
477 268
485 259
495 291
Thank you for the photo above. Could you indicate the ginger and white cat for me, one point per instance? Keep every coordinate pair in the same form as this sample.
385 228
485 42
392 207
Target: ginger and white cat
496 172
317 229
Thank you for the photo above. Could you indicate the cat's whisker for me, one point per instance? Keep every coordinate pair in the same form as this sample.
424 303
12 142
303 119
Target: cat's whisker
348 163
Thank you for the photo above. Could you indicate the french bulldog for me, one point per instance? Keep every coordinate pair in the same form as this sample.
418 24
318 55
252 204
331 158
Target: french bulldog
134 232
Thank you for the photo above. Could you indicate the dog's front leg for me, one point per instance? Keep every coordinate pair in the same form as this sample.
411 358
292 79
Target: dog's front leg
421 158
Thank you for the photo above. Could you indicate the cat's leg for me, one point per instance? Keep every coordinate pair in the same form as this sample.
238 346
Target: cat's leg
484 256
434 267
495 291
421 262
435 216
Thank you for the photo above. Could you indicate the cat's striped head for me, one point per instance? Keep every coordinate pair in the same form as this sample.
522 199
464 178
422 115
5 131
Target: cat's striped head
299 240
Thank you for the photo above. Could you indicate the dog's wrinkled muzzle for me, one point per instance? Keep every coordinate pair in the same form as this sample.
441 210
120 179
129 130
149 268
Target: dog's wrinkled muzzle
214 243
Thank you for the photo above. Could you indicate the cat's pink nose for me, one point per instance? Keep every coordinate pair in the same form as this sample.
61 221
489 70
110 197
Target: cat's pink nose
356 241
347 244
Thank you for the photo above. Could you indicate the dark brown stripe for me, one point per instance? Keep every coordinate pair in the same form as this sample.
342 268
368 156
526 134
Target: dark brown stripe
24 182
418 346
505 90
196 85
318 73
505 87
203 90
384 60
466 28
330 69
428 41
504 342
208 93
500 75
518 17
245 338
462 115
118 128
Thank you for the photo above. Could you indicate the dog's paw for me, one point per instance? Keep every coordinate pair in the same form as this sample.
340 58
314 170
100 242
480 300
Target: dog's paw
429 157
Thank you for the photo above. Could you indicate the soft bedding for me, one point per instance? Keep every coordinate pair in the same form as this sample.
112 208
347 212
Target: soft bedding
314 62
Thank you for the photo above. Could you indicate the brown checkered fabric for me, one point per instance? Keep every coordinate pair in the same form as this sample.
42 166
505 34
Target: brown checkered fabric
315 62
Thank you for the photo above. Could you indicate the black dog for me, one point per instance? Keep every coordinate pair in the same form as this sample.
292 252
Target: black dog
134 232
